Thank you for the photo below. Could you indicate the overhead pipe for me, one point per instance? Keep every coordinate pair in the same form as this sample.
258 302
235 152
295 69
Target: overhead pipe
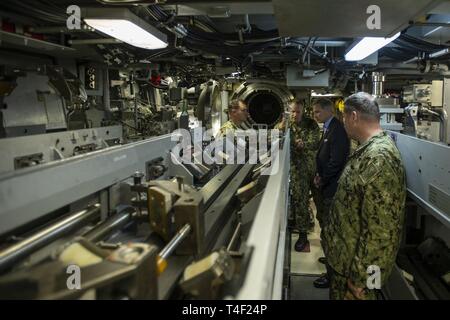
439 53
94 41
248 27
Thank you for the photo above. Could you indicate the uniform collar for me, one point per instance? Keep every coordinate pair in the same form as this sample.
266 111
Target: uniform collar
233 123
363 146
302 120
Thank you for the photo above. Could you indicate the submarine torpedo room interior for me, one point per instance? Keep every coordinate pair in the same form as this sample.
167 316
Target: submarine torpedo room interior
110 116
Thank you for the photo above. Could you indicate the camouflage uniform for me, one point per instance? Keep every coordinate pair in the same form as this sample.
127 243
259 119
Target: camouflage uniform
366 217
227 128
339 289
303 168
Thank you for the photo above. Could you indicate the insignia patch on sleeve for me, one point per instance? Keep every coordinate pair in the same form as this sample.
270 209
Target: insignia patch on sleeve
372 170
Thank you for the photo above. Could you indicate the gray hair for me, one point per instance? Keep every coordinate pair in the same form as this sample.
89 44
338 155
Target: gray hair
324 103
363 103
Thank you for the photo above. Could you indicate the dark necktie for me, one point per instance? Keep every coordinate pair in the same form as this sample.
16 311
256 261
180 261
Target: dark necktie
324 133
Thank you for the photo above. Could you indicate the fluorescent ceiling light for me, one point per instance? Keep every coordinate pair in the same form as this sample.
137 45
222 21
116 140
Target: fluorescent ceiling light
128 32
314 94
367 46
125 26
435 29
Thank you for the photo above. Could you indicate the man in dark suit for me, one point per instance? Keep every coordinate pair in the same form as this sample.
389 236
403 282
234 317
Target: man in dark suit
334 148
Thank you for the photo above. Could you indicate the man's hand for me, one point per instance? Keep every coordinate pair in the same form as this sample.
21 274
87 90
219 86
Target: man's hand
317 181
357 292
299 144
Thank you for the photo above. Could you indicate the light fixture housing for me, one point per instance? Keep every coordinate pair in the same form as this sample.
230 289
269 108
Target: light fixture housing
367 46
122 24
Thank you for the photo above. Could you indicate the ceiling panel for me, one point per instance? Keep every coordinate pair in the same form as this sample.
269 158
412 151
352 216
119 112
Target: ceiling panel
346 18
